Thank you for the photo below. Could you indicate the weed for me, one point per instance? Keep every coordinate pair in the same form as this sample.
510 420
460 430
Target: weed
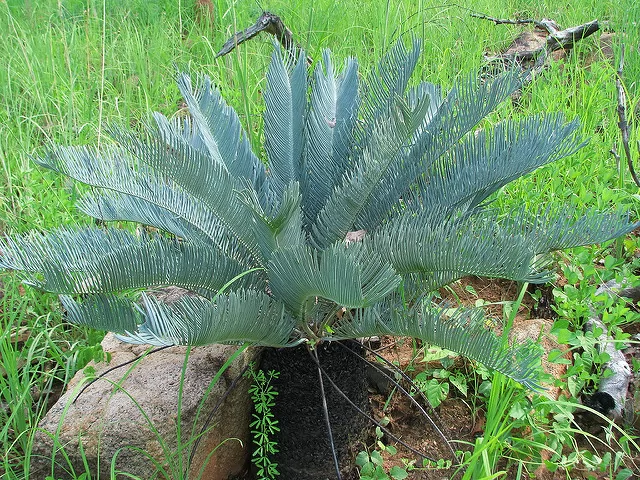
436 383
371 463
264 424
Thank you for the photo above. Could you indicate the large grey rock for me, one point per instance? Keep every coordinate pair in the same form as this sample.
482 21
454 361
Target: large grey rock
112 417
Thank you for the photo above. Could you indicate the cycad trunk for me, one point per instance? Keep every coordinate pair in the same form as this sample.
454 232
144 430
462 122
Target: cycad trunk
303 441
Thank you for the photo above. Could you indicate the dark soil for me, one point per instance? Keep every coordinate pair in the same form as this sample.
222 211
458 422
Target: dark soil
303 442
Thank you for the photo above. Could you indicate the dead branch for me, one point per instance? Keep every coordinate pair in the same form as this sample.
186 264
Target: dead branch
623 125
566 38
616 157
545 24
535 58
270 23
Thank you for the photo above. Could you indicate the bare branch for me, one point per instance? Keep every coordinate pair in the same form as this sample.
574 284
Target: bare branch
546 24
622 117
267 22
536 56
566 38
616 157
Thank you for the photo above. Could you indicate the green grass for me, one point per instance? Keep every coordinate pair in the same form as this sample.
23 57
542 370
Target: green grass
71 68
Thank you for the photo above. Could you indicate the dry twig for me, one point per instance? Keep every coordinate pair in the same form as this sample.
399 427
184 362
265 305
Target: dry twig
546 24
270 23
622 120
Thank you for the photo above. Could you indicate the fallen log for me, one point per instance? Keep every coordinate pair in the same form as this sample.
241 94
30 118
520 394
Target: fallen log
612 391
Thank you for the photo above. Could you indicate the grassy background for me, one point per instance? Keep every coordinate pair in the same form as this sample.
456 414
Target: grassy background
73 67
70 68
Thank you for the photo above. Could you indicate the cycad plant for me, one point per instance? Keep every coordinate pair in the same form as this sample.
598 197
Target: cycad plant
370 196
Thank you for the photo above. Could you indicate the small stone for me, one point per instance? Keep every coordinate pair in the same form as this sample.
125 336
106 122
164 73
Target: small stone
538 330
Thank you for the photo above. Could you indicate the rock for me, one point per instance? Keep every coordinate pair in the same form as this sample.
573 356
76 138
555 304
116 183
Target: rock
110 423
538 330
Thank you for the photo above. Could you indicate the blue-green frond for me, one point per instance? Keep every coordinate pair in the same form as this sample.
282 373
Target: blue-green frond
471 171
109 206
329 133
236 317
464 106
196 174
417 95
287 223
455 248
92 260
389 80
378 277
298 275
124 183
285 114
214 127
436 126
550 229
388 189
459 330
345 209
103 312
